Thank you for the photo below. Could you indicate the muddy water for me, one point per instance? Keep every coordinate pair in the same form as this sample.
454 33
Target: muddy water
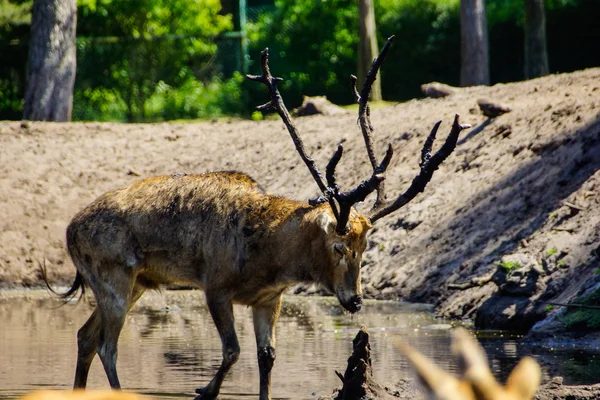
169 346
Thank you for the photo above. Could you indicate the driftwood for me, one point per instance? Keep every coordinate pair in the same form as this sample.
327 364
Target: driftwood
358 381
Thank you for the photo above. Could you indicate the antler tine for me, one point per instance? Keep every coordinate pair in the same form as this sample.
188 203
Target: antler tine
330 169
364 113
428 166
277 104
347 199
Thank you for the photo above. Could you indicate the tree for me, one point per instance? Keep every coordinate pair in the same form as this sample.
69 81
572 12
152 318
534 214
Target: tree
135 48
52 61
475 68
536 54
367 46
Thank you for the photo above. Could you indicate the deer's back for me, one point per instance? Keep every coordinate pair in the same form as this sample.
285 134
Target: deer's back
179 223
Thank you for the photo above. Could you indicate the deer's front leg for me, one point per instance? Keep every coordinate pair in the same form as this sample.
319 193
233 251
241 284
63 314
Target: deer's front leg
221 310
265 318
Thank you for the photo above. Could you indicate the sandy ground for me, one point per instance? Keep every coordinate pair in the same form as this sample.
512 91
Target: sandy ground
524 186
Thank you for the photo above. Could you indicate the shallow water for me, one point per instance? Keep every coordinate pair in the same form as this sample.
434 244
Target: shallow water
169 346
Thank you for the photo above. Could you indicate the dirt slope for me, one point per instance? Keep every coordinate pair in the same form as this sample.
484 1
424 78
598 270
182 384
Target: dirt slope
522 187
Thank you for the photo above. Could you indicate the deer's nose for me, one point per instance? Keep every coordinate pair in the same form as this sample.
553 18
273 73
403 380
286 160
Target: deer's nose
355 304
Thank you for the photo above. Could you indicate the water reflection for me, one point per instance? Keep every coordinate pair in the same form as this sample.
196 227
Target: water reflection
169 346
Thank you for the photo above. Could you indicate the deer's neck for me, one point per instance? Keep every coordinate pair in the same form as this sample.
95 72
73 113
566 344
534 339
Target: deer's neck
299 251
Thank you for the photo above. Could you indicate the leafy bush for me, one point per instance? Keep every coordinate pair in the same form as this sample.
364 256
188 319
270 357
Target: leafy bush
128 47
195 99
15 19
312 45
426 48
98 104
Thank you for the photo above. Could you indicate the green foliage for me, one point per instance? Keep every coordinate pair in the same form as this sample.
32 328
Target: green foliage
426 48
257 116
155 59
98 104
549 307
551 252
509 266
195 99
312 45
14 13
583 318
127 48
192 99
15 18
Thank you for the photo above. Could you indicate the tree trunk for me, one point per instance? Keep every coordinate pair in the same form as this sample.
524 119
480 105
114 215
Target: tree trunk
475 60
52 61
536 54
367 46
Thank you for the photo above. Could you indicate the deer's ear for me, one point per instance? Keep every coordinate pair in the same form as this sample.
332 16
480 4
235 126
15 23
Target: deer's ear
525 379
325 222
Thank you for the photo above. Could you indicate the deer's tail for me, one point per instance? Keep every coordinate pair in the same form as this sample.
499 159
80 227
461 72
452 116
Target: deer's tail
78 284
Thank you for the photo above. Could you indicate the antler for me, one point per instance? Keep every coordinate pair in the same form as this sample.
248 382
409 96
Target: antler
276 104
428 166
331 190
428 163
364 113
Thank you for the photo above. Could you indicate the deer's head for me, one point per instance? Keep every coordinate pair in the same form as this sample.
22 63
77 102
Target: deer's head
346 229
344 256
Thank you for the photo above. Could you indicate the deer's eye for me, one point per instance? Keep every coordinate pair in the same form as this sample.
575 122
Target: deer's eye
354 254
339 250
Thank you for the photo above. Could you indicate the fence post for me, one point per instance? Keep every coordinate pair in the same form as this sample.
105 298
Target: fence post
243 36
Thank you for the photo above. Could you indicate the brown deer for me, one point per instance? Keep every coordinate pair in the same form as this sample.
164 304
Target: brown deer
223 233
475 381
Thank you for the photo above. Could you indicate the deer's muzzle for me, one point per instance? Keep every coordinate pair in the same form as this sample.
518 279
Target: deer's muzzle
353 305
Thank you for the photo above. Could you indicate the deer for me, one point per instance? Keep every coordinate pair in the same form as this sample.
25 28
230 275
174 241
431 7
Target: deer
223 233
475 380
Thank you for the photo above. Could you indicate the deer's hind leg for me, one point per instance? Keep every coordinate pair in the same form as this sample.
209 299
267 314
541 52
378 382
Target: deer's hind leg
100 333
87 340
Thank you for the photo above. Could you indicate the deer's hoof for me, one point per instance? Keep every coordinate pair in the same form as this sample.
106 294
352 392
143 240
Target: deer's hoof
204 394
